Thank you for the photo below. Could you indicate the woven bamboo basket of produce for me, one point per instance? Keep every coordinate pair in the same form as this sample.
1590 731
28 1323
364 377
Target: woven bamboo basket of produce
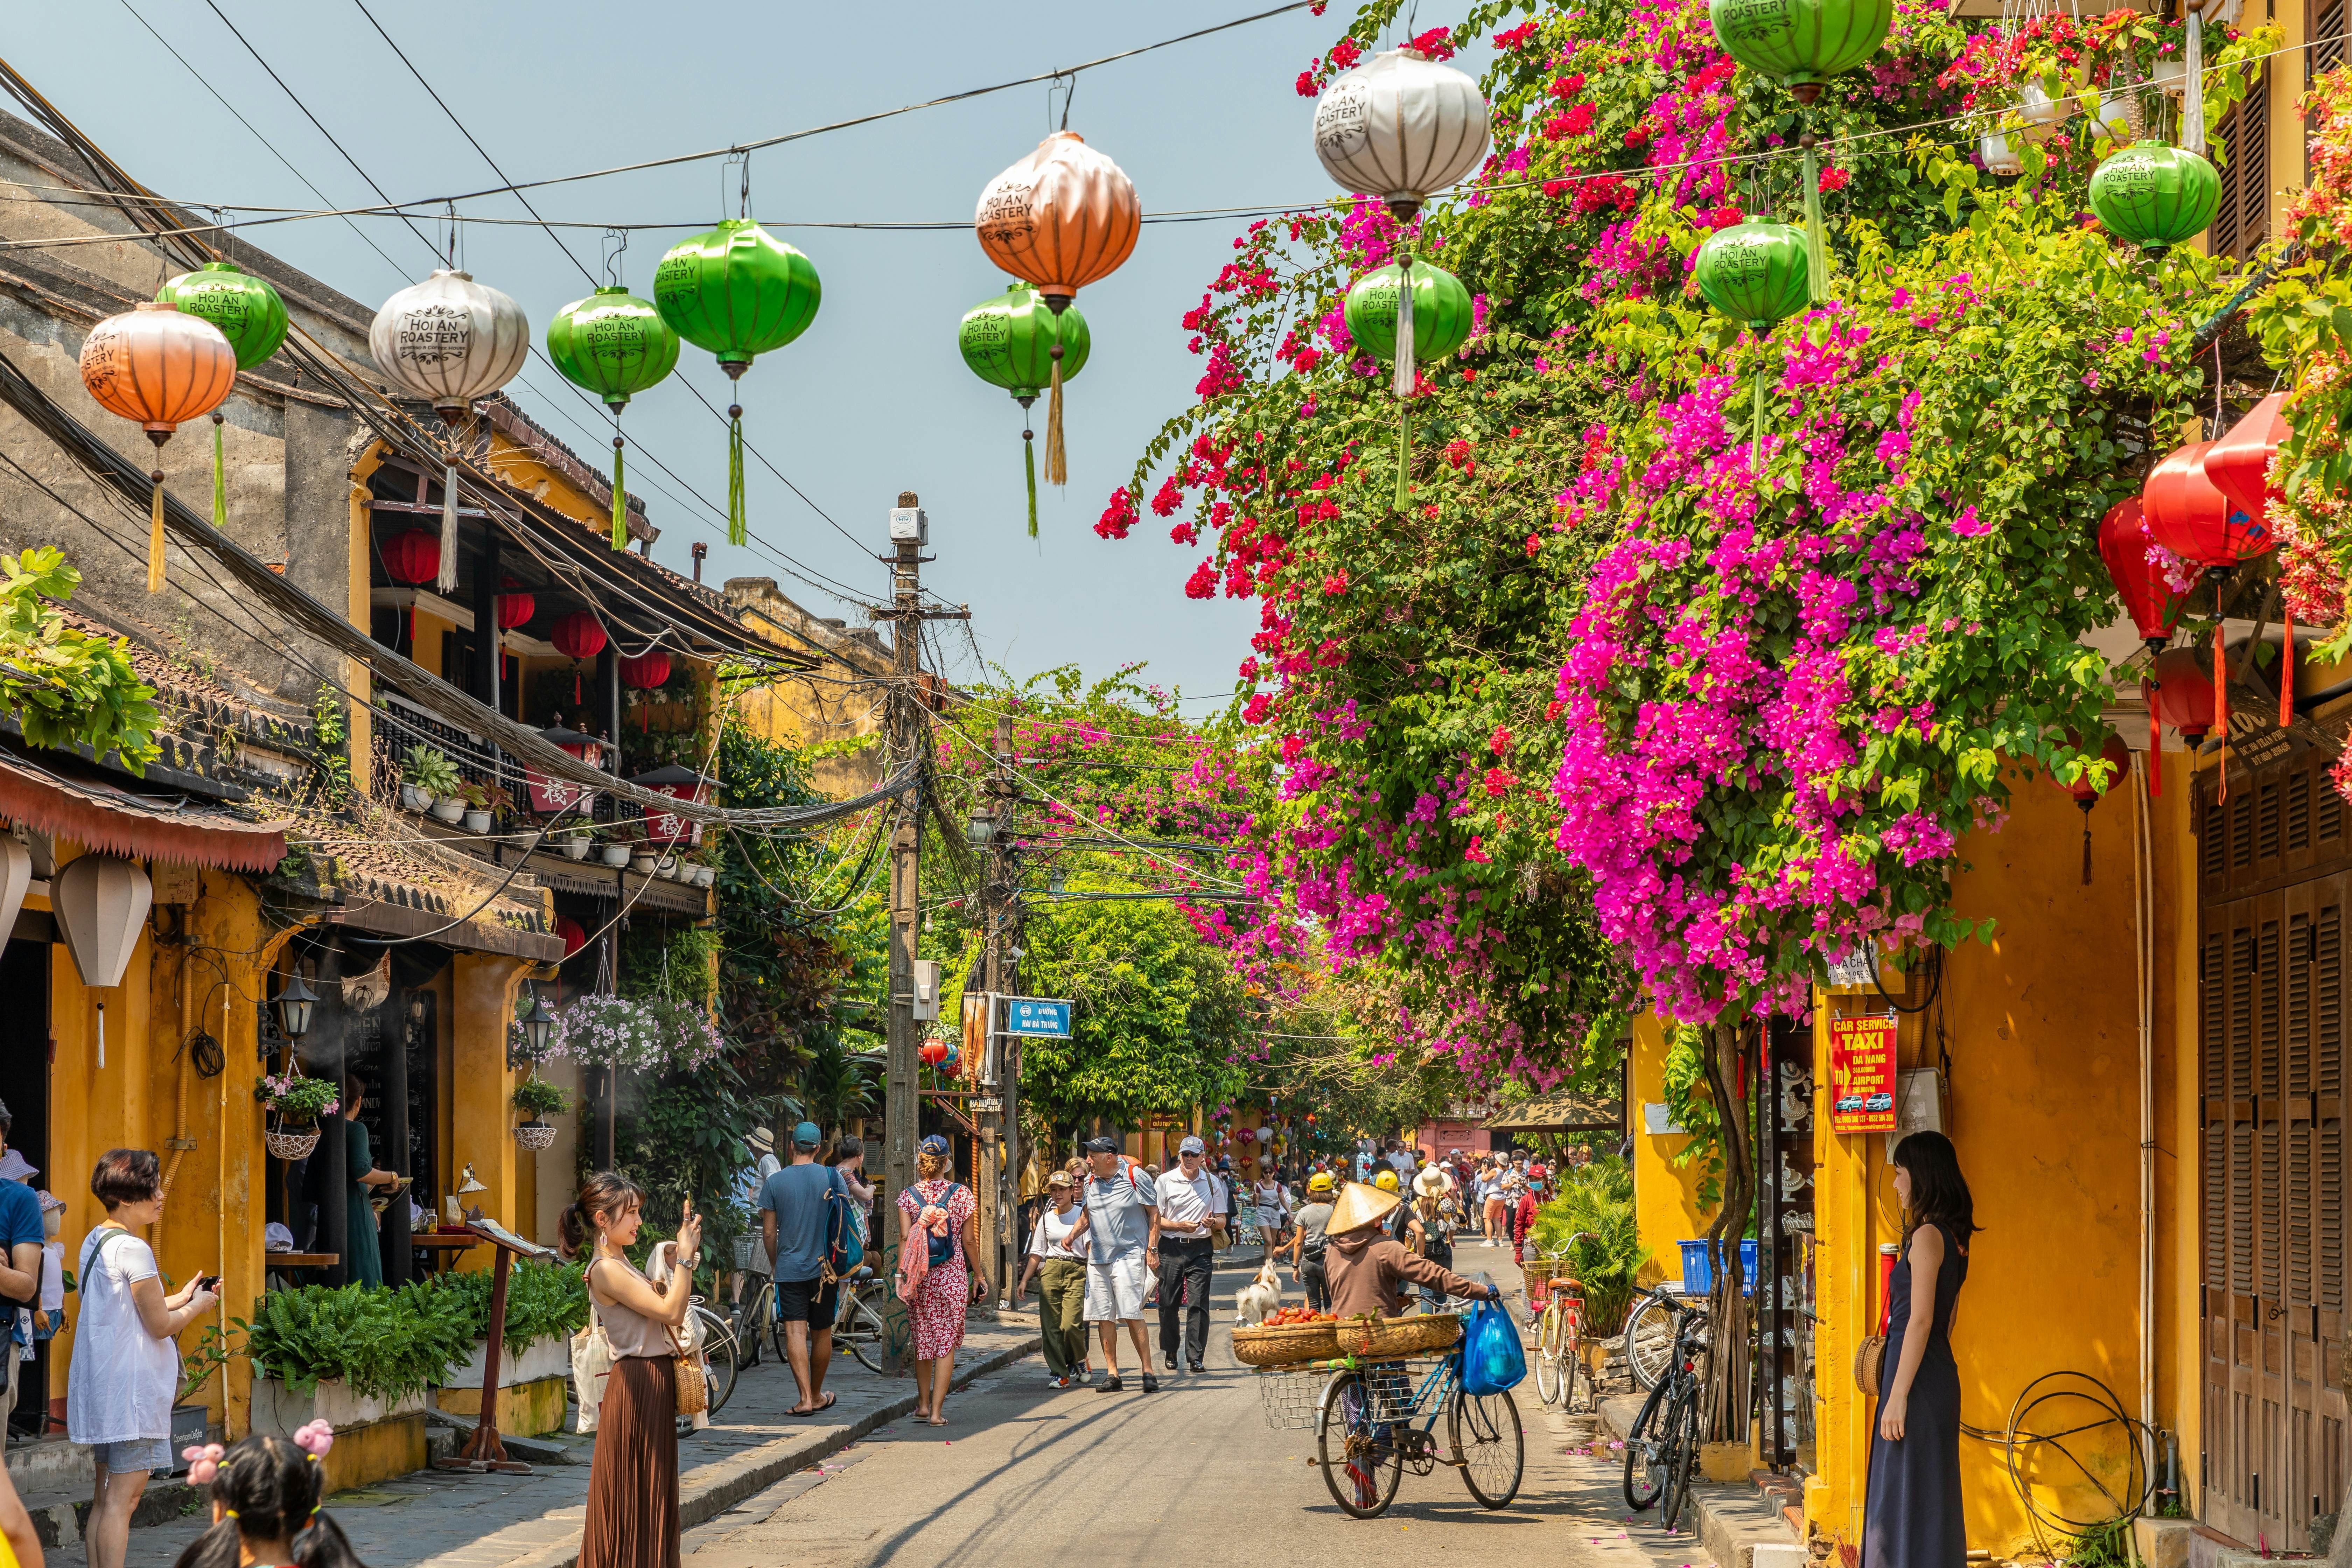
1288 1343
1384 1339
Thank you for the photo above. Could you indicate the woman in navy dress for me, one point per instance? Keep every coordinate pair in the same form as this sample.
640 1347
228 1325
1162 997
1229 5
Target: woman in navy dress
1912 1518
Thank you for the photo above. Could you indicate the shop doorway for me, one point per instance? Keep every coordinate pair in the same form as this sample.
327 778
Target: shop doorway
25 1086
2275 875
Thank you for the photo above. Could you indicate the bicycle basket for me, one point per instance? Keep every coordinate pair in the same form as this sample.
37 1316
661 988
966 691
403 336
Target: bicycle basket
1290 1397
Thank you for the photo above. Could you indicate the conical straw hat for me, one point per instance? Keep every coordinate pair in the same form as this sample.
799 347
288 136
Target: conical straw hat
1359 1204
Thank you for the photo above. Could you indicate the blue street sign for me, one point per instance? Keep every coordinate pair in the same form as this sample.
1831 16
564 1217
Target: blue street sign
1030 1015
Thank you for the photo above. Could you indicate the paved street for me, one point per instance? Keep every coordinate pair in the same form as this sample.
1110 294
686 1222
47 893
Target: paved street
1190 1474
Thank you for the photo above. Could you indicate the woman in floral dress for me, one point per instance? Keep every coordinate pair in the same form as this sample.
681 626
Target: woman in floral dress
938 1231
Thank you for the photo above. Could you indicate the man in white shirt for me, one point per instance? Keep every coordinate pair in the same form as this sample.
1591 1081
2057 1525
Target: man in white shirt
1191 1208
1400 1160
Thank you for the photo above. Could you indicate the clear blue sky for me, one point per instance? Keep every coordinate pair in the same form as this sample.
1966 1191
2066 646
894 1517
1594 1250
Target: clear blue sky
872 399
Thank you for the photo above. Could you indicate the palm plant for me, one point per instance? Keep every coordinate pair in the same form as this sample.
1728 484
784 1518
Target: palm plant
838 1084
1597 1198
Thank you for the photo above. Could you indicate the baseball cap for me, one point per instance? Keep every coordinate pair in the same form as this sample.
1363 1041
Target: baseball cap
934 1144
1321 1182
806 1136
1192 1146
1060 1179
1386 1181
1101 1145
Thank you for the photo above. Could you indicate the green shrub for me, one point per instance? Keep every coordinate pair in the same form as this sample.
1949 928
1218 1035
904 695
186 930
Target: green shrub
1598 1197
385 1343
537 1099
543 1300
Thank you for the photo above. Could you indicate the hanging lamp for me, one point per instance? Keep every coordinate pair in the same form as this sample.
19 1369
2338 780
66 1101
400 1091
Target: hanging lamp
1758 273
737 292
250 314
2239 462
615 345
2147 598
647 671
1016 341
1439 320
449 341
1061 219
162 367
1400 128
2188 514
2086 794
2156 195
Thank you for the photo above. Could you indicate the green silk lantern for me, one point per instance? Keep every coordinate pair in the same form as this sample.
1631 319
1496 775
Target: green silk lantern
736 292
1757 273
2156 195
1437 311
250 314
1013 341
1802 44
615 345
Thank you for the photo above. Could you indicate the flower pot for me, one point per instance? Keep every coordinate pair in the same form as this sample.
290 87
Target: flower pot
667 868
575 848
535 1135
705 876
449 808
643 865
617 854
478 822
414 799
292 1142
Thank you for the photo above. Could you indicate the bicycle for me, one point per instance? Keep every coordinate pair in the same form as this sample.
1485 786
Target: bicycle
1662 1447
720 1350
1649 1337
857 1324
1556 1313
1365 1436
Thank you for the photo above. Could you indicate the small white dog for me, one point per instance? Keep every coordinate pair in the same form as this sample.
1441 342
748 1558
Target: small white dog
1261 1298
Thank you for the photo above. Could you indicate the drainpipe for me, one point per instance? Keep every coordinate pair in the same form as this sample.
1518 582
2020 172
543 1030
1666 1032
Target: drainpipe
2144 963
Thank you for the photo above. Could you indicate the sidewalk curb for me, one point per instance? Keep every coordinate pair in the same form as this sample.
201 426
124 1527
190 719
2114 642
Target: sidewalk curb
748 1474
1733 1521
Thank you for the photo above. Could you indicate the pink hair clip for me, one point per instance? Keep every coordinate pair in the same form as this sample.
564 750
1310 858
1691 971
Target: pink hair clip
203 1462
315 1439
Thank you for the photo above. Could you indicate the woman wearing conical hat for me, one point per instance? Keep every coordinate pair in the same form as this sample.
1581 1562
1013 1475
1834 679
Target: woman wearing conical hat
1365 1264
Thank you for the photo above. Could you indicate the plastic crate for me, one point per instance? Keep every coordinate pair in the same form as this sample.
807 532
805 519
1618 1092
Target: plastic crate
1698 1274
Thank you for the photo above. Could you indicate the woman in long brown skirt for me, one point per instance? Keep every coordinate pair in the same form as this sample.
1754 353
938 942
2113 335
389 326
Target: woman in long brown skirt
633 1512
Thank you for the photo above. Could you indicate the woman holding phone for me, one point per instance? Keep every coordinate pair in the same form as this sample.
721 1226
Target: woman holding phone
632 1509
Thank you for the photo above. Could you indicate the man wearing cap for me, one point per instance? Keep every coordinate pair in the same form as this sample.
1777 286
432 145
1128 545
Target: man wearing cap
1308 1242
796 1216
1365 1263
1122 1224
1192 1209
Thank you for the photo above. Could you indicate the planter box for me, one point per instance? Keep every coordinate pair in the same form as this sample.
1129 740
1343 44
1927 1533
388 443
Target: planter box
532 1387
550 1357
375 1440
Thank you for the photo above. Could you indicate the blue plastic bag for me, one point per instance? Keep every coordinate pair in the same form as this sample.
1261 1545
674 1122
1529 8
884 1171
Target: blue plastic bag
1492 1357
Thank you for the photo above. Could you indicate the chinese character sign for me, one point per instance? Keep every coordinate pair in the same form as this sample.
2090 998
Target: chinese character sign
1862 1075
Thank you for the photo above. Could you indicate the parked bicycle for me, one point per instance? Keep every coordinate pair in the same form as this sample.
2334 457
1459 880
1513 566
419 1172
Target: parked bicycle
720 1350
1556 1318
857 1325
1662 1449
1650 1335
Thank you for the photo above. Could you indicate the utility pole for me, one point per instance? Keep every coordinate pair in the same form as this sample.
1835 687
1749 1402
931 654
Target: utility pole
997 1114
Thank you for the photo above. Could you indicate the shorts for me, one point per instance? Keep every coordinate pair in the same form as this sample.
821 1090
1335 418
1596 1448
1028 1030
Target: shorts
805 1301
1114 1290
138 1454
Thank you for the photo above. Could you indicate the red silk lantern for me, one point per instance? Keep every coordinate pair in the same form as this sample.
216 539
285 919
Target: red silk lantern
933 1052
2239 465
412 557
579 636
2086 794
2183 694
645 671
2147 598
574 939
2187 514
514 609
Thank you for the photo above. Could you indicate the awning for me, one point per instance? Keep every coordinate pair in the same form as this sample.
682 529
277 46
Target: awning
1563 1113
72 799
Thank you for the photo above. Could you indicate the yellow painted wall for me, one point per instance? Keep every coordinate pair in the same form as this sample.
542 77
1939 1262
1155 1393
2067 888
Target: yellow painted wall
1665 1194
2041 1025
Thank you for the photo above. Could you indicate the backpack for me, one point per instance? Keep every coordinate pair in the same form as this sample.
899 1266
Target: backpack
941 1249
843 1251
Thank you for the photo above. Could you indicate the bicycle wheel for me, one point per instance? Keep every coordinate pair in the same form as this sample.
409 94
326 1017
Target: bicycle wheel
1548 1367
859 1330
1680 1455
1361 1465
1641 1487
719 1350
1650 1342
1488 1445
759 1299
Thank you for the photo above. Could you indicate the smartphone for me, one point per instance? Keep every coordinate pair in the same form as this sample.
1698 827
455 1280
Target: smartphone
208 1282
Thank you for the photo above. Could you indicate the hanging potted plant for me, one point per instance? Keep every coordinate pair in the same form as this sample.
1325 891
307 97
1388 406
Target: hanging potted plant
297 1103
537 1100
426 775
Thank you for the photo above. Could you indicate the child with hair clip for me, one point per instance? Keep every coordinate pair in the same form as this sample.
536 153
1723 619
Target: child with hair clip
265 1494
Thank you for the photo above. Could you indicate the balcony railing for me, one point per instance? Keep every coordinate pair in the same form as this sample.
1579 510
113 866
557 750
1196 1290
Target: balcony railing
476 759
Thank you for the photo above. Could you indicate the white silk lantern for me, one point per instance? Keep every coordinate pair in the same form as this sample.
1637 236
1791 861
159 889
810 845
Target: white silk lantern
449 341
1400 127
102 904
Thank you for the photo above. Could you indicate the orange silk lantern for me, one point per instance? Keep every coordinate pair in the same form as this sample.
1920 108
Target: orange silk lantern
162 367
1059 219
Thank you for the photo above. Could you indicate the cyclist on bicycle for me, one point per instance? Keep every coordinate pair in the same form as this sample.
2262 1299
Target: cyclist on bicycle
1365 1264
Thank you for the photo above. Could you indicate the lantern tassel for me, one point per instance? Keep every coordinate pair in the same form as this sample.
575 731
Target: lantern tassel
220 479
1029 465
1756 435
737 529
620 500
2286 676
1404 449
2087 845
447 581
1405 366
155 534
1057 461
2154 748
1817 264
2221 709
2193 99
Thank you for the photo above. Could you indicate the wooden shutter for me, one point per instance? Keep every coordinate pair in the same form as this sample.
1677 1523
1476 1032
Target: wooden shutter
2242 222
